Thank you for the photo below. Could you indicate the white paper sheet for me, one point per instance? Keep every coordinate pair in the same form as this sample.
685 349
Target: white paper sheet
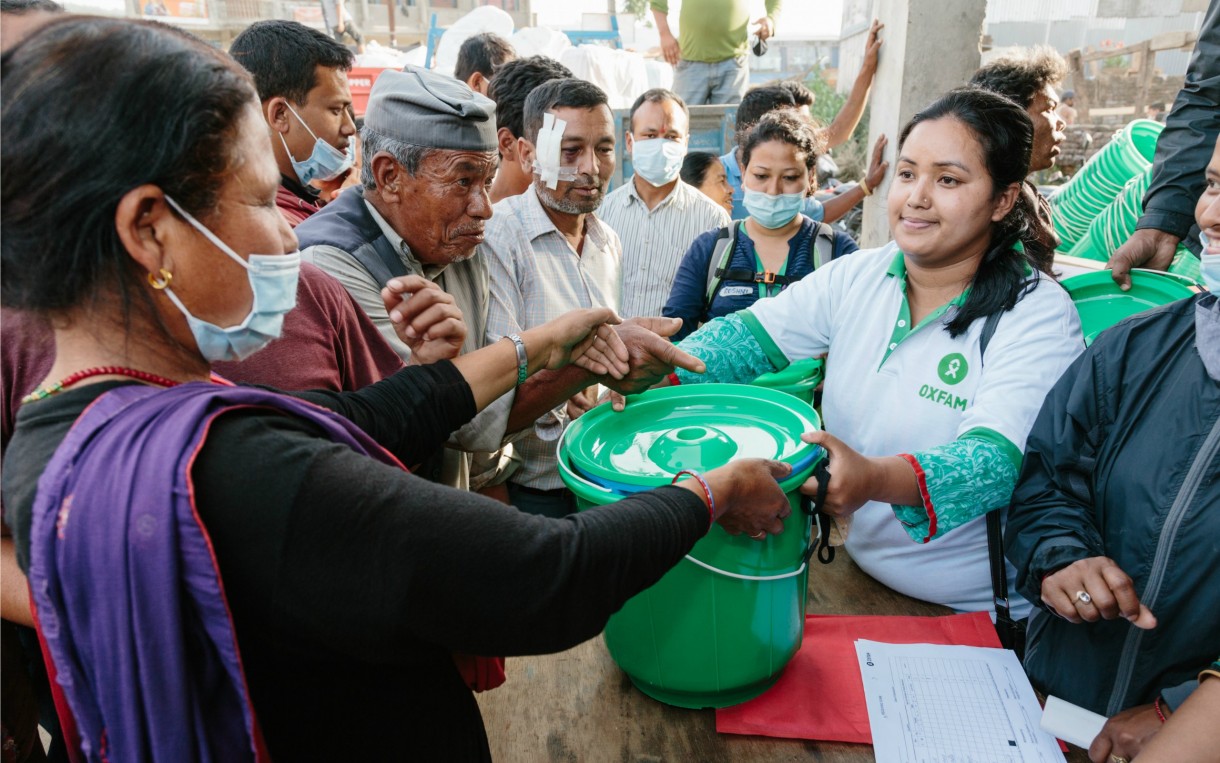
929 703
1071 723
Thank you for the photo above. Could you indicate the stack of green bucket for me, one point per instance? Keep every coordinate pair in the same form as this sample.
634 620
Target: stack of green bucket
1111 229
1102 179
1187 265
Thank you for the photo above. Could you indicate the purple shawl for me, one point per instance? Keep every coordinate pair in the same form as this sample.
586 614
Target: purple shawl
128 591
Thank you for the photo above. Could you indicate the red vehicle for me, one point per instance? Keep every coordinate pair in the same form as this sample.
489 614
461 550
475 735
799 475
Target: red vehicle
361 80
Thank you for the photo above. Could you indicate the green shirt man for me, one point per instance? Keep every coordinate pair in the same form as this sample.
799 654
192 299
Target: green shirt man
709 58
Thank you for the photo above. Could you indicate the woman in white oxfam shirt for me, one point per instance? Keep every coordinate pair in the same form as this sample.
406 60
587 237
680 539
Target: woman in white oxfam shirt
924 430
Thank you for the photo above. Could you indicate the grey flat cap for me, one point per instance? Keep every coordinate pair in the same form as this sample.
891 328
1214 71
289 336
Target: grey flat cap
424 108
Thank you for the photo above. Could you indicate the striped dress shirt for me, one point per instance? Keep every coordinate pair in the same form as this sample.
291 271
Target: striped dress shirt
655 240
536 276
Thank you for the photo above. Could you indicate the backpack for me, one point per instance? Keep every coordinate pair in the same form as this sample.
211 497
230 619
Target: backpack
822 245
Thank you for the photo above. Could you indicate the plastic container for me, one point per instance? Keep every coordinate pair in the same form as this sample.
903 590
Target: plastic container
1099 182
1101 303
720 626
799 379
1111 229
1186 265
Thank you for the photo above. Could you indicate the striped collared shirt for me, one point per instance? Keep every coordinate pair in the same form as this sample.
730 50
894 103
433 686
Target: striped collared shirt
536 276
655 240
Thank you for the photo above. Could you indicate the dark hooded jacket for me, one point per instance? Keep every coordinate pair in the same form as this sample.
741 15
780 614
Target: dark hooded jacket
1124 461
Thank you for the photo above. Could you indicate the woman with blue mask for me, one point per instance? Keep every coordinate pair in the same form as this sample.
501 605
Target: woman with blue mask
729 269
221 570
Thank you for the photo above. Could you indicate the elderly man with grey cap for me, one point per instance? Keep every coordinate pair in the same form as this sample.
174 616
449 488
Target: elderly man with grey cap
429 156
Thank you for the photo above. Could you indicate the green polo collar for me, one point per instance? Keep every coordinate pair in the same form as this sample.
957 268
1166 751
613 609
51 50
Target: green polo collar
902 324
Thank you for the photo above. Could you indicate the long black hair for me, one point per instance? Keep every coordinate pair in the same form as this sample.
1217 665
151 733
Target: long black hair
91 108
695 166
1006 135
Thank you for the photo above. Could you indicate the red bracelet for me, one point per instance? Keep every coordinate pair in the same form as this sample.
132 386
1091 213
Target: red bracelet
707 492
674 381
1157 705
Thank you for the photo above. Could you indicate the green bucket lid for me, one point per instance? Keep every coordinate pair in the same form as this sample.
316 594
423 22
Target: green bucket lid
696 426
1101 303
801 375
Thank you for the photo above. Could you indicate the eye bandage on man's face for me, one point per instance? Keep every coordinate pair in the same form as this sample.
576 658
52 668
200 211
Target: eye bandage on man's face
547 152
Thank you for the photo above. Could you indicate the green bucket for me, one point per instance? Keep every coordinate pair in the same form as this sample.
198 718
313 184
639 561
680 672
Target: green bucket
1186 265
1100 181
1101 303
718 628
799 379
1089 249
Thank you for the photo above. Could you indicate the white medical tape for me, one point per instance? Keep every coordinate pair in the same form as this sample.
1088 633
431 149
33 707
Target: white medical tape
566 174
547 150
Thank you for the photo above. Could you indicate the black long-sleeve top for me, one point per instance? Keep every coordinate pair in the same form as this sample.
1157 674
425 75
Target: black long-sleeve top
351 582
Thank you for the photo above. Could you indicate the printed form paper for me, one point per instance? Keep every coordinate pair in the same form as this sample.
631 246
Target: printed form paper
929 703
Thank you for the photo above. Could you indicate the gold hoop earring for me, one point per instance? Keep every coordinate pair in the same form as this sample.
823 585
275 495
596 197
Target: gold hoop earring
166 277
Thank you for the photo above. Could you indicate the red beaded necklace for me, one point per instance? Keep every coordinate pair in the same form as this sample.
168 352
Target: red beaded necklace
45 392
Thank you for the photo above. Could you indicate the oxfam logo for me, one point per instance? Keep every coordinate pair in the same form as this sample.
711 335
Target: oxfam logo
953 368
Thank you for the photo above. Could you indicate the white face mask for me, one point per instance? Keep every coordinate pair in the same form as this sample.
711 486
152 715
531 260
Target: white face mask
1209 263
325 162
772 211
273 281
657 160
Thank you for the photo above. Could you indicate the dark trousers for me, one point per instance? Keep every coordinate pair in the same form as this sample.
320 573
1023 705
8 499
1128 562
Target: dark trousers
549 503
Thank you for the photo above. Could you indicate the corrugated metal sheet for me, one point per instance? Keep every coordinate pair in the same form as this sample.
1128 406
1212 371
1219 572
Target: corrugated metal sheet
1065 32
1002 11
999 11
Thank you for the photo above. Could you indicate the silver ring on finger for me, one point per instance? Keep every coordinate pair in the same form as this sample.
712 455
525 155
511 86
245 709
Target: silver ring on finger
759 535
1083 597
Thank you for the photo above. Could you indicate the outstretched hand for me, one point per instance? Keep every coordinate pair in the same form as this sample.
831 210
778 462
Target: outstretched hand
651 356
587 338
425 318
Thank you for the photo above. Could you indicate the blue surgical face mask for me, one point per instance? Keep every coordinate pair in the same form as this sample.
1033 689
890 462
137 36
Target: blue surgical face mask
657 160
1209 263
772 212
325 163
273 281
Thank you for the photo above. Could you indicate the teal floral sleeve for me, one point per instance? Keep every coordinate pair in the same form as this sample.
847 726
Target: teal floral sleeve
735 349
960 481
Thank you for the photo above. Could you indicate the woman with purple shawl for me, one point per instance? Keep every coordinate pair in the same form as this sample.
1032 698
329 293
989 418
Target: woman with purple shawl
225 573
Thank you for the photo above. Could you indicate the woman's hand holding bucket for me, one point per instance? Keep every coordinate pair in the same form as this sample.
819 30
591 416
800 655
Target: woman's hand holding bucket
746 496
856 479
